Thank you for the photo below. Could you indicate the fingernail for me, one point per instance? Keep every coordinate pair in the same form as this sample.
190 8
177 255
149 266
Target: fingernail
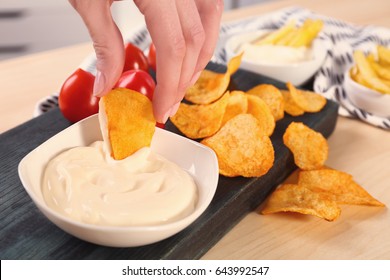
174 109
195 77
99 84
165 117
219 4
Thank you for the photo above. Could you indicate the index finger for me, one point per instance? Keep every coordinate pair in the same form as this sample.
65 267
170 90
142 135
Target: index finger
164 27
210 13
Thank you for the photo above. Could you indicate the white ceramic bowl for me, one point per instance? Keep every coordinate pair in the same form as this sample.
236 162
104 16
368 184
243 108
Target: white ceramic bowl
366 98
296 73
200 161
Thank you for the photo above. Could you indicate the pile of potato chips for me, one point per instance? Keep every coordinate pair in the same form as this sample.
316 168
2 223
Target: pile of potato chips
373 72
293 36
319 190
237 125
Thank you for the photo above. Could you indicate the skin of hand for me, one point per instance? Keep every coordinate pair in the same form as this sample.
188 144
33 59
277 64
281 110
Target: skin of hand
184 32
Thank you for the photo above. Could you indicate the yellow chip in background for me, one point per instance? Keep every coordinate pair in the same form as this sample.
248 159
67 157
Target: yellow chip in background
199 121
130 121
242 148
272 97
260 110
299 199
310 148
338 183
290 107
238 104
309 101
383 55
211 85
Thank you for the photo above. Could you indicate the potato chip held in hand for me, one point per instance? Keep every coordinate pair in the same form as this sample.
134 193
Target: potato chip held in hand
242 148
339 184
310 148
211 85
199 121
299 199
130 121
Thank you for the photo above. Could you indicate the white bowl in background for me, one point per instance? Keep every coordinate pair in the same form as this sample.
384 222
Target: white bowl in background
365 98
197 159
297 73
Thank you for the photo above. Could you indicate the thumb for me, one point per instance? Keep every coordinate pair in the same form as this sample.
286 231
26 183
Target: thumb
107 42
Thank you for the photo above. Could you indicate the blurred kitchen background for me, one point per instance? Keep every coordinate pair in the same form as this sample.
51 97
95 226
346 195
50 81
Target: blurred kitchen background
29 26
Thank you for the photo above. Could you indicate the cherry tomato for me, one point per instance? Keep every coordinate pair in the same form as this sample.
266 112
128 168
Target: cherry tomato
76 100
134 58
152 56
140 81
137 80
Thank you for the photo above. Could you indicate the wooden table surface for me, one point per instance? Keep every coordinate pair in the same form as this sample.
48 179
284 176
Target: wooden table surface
357 148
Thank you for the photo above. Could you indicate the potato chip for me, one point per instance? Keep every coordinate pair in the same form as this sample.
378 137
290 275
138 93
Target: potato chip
306 33
242 148
290 107
382 72
368 74
310 148
273 37
259 109
238 104
309 101
234 63
299 199
338 183
211 85
383 55
130 121
199 121
357 77
272 97
285 40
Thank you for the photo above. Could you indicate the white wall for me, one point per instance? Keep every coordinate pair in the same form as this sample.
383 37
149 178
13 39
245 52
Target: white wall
28 26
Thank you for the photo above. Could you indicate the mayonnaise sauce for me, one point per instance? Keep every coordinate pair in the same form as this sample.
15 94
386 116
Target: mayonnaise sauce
275 54
87 185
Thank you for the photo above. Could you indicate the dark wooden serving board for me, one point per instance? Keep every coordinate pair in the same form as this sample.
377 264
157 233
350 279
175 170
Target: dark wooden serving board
26 234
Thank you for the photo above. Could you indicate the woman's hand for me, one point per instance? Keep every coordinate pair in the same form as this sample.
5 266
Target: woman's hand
184 32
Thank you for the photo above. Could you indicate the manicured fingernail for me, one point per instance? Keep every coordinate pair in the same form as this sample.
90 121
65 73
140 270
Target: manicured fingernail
219 4
174 109
99 84
195 77
166 116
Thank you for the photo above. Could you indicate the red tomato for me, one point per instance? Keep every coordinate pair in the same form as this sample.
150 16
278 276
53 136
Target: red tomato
140 81
134 58
76 100
137 80
152 56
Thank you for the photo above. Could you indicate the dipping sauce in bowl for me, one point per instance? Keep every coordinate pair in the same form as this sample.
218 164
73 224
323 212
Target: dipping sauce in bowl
272 54
284 63
198 161
87 185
